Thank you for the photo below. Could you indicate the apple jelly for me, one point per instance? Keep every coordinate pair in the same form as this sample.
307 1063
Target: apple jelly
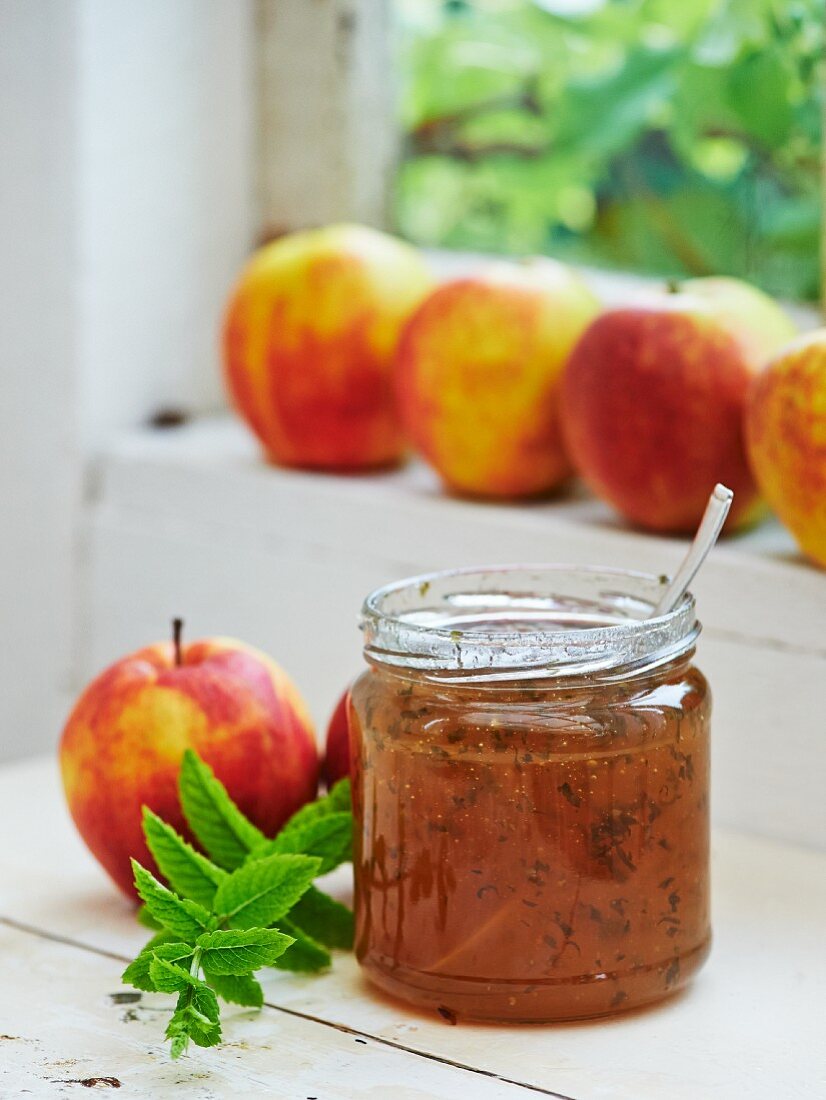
530 763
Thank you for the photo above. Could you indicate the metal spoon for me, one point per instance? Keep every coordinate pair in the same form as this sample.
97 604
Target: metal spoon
707 533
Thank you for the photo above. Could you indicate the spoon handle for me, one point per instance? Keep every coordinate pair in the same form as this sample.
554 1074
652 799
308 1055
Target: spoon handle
707 533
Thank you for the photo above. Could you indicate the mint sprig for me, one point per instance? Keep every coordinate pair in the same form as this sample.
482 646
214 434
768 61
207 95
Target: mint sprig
215 920
222 830
324 918
264 890
187 871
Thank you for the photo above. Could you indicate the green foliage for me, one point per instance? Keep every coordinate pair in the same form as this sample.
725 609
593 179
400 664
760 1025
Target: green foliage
324 918
335 801
187 871
145 918
170 977
304 955
184 918
264 890
323 829
137 972
215 927
681 138
196 1017
329 838
237 989
241 950
226 835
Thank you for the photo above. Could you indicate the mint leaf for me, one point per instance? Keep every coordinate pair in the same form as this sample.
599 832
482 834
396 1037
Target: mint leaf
339 797
305 955
180 1038
204 1014
329 837
337 800
174 951
195 1017
212 932
323 828
146 919
226 835
169 977
263 890
323 918
238 989
185 918
187 871
238 950
137 972
162 946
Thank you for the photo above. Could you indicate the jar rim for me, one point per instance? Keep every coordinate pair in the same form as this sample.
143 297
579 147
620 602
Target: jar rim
524 621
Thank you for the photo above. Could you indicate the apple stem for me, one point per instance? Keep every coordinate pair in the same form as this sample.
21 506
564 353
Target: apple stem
672 286
177 629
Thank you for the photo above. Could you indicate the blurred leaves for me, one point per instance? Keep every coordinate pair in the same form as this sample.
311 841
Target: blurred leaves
671 136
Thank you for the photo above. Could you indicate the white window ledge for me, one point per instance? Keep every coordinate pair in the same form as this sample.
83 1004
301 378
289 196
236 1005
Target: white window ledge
191 522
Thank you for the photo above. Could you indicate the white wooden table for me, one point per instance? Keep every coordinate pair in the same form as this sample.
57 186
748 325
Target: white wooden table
752 1024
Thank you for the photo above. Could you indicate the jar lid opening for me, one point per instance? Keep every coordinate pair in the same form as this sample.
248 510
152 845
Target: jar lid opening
509 622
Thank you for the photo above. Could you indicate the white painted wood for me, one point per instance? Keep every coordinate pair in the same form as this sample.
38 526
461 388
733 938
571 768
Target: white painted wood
62 1030
192 523
40 468
750 1024
166 191
327 130
126 199
754 584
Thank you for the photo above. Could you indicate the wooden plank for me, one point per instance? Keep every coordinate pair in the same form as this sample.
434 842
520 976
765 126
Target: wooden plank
750 1023
767 748
755 585
65 1025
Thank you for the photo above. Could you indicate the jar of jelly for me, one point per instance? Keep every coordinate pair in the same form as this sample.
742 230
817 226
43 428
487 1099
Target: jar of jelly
530 783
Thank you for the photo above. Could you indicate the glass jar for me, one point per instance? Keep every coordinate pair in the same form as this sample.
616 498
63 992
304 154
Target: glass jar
530 784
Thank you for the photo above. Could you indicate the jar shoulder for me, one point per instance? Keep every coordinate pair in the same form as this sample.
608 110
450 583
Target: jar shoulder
589 717
685 687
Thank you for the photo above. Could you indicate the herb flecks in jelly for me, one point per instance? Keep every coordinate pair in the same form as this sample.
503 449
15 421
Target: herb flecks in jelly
545 847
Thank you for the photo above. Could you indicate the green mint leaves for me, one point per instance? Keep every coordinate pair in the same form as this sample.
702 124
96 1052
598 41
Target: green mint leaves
239 951
324 918
185 918
222 830
264 890
214 922
187 871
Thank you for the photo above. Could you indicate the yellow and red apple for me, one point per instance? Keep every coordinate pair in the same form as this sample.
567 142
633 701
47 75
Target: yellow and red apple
786 433
122 745
479 368
653 400
309 337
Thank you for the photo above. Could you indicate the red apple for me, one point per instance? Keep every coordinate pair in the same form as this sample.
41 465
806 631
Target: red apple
122 745
309 338
337 751
478 375
654 395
